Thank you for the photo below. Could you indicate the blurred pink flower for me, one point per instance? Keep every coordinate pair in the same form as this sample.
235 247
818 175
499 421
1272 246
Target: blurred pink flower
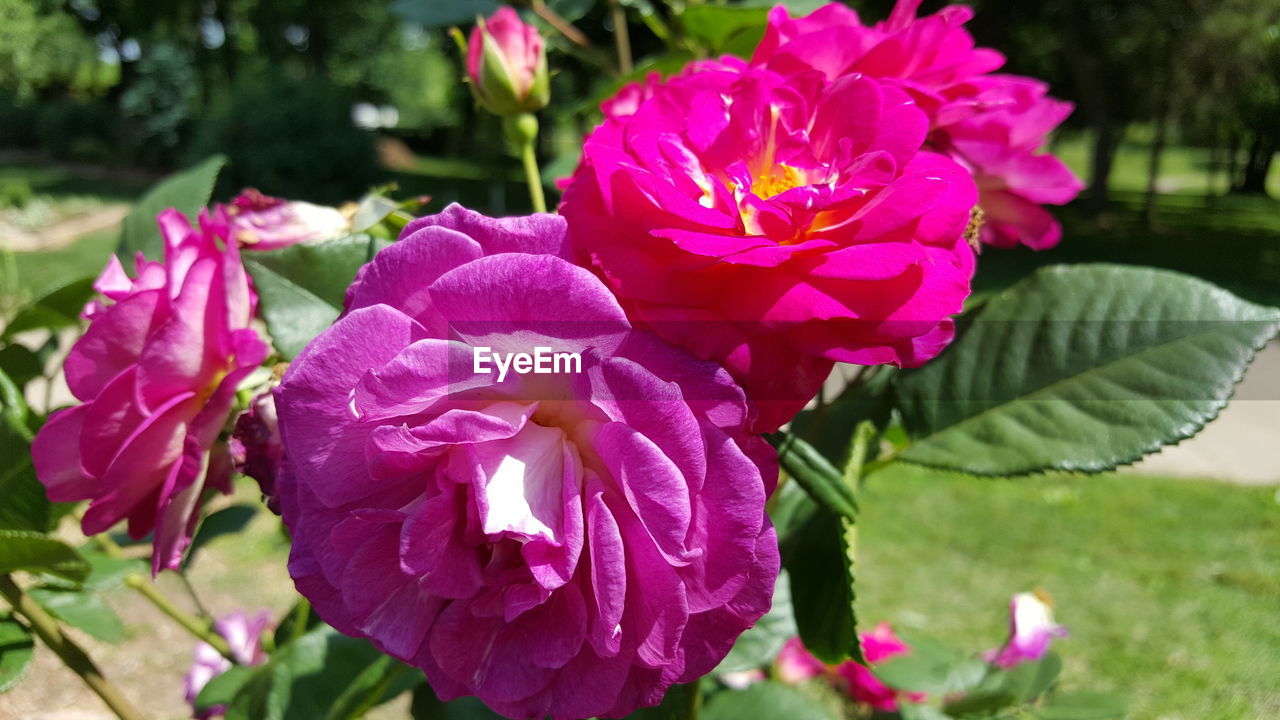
256 448
755 219
507 64
244 635
995 125
156 372
1031 628
261 222
796 664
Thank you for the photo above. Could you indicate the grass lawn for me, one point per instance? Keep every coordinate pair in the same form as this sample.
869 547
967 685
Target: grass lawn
1170 587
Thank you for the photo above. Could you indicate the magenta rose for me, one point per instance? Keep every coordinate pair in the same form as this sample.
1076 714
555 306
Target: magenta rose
776 224
156 372
562 538
795 664
994 125
262 222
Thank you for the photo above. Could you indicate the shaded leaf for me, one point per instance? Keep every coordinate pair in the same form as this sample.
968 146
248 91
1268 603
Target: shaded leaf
715 25
59 308
36 553
1081 368
227 521
187 191
20 364
301 288
818 560
222 689
17 650
24 505
426 706
83 609
930 667
764 701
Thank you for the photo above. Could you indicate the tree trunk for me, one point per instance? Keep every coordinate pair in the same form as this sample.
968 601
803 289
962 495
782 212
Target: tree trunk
1261 153
1153 164
1105 141
1233 161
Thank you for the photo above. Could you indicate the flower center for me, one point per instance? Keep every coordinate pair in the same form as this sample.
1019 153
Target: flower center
779 179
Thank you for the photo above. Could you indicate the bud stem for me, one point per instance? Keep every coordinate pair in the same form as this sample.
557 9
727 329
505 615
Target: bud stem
620 37
522 133
201 629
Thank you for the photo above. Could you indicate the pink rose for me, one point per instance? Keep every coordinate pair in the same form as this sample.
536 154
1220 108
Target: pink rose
777 224
262 222
796 664
244 636
569 542
1031 628
156 372
994 125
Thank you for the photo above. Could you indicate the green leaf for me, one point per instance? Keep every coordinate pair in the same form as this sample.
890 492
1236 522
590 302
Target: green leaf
715 25
17 650
24 505
304 679
796 7
1081 368
227 521
764 701
371 211
571 10
426 706
815 474
83 609
20 364
759 645
59 308
818 559
222 688
106 572
34 552
439 13
930 667
368 688
1029 681
1082 706
980 703
187 191
301 287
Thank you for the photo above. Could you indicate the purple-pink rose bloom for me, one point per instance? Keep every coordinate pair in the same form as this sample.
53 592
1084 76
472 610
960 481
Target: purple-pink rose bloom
993 124
244 636
568 543
156 372
262 222
1031 628
776 224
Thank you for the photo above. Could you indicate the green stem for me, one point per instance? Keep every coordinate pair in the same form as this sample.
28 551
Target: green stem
695 701
620 37
301 614
533 177
71 654
201 629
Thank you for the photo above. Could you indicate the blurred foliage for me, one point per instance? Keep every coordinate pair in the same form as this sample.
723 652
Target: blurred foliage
288 138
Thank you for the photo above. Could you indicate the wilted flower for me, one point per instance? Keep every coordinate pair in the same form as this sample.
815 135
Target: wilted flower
262 222
157 372
995 125
256 448
795 664
777 224
570 542
244 636
1031 627
507 65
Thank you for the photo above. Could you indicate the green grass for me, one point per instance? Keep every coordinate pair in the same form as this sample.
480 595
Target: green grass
33 274
1170 587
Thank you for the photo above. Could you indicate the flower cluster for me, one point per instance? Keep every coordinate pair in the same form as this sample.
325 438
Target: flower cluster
244 637
573 539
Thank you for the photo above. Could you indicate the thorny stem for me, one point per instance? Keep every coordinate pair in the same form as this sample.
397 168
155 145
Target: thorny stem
71 654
